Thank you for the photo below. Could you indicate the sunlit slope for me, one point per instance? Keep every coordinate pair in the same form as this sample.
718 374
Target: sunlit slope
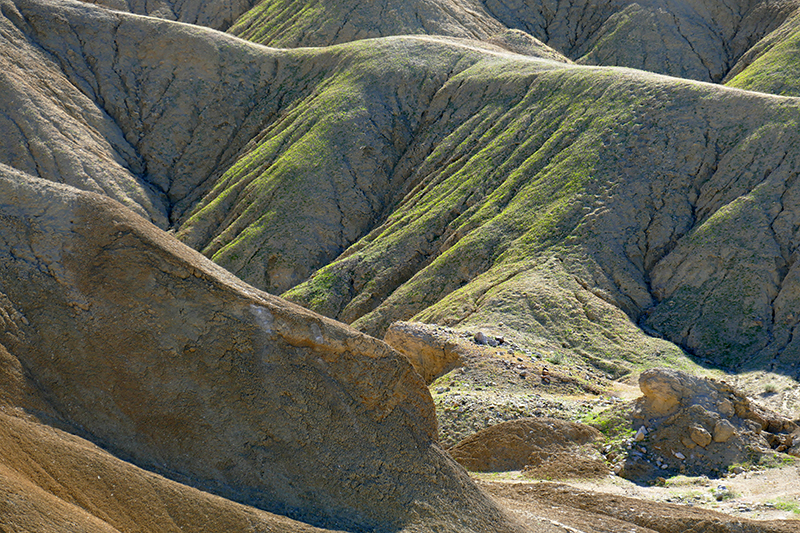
324 171
772 65
579 206
700 39
293 23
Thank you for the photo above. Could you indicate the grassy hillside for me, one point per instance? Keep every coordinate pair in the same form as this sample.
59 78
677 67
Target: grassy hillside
563 198
772 66
592 211
697 40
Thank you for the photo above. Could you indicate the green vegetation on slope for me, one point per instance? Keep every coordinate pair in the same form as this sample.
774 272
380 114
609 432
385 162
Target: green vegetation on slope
549 201
773 65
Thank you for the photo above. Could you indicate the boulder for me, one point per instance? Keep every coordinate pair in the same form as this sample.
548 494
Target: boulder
702 426
700 435
723 430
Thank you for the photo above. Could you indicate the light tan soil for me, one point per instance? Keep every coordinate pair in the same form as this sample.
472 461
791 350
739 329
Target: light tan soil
580 510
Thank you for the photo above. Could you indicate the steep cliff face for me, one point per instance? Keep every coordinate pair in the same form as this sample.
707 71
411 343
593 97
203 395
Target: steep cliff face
150 350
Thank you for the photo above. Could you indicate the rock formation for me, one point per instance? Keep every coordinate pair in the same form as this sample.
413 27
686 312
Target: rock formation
699 426
146 348
431 354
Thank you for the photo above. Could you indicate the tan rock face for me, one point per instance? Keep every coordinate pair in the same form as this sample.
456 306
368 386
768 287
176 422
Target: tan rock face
723 430
663 390
159 355
700 436
432 355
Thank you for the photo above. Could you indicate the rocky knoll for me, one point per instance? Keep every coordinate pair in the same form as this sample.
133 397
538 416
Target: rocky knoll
533 444
698 426
130 339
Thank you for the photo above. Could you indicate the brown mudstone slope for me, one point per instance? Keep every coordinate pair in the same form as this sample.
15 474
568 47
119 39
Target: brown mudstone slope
53 482
130 339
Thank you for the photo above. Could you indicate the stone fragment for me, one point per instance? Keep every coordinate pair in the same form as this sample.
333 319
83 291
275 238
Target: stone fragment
639 437
700 436
480 338
725 408
723 430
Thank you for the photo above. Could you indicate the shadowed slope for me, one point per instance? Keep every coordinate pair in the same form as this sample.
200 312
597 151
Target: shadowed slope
217 14
52 130
162 357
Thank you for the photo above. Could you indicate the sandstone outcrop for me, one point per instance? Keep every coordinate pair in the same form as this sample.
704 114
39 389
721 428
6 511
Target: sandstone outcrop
146 348
431 354
700 426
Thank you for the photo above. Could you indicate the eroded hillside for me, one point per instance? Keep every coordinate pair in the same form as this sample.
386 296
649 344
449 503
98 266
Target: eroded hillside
458 163
590 210
163 358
